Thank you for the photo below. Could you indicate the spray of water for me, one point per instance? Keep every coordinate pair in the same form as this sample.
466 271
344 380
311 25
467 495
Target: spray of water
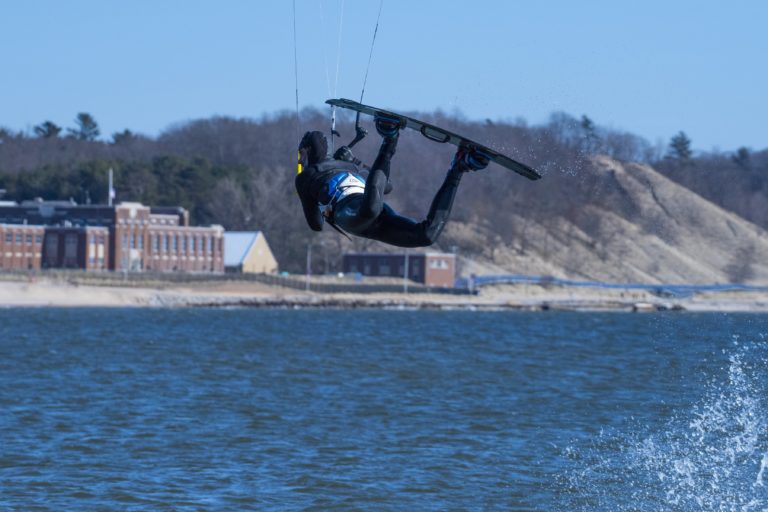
763 463
712 457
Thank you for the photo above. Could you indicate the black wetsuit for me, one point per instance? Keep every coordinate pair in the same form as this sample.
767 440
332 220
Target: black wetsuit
363 212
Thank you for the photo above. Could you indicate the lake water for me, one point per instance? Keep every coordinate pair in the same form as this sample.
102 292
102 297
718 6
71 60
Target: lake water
212 409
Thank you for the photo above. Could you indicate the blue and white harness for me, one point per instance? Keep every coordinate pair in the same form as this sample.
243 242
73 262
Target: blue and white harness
341 186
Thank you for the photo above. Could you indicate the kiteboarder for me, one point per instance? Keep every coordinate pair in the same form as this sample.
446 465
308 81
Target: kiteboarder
331 190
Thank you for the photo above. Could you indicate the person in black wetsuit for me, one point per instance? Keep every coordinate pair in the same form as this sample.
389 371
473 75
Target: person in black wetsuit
331 189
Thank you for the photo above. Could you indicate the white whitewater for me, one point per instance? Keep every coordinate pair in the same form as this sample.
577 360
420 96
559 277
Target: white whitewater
712 457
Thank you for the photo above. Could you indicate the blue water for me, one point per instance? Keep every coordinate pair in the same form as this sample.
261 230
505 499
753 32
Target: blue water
110 409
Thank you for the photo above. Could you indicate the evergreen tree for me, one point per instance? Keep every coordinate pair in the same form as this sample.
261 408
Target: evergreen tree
680 148
87 128
6 134
742 158
123 137
590 134
47 130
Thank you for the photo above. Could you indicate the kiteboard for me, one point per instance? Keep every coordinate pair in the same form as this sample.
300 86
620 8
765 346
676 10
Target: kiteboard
437 134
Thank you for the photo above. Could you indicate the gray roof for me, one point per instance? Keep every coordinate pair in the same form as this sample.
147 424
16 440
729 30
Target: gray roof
237 245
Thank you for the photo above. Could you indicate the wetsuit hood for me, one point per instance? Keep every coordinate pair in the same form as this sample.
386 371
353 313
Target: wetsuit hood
315 145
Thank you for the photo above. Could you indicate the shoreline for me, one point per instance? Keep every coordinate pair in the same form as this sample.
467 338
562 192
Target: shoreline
60 293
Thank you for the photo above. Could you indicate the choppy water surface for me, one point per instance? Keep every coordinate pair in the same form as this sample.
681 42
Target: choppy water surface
108 409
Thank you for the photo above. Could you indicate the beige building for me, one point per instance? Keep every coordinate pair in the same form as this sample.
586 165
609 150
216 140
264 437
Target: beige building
248 252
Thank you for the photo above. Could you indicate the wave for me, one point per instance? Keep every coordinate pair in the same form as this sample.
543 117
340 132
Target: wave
710 457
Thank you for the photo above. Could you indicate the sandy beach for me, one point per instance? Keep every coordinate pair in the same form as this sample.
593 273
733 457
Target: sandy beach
45 292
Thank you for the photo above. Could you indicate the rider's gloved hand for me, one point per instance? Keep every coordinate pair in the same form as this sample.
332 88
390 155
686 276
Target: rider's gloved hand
345 154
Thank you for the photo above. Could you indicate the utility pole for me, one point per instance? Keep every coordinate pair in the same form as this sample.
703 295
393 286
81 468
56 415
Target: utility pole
111 192
405 273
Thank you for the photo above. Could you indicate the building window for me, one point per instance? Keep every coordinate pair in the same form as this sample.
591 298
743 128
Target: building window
155 243
70 247
141 242
19 238
438 263
9 238
183 244
38 239
51 248
29 238
165 243
194 245
174 244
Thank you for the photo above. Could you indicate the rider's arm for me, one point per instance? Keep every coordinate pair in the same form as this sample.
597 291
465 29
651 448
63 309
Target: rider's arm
311 208
312 214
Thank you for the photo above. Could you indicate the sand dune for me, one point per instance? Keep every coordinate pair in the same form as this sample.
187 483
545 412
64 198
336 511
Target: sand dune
632 225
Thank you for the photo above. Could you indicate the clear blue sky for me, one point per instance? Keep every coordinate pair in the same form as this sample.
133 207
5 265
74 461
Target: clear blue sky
651 67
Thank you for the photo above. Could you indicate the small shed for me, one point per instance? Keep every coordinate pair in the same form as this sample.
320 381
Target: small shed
248 252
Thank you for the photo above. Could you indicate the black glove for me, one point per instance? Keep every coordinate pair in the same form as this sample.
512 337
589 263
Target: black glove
345 155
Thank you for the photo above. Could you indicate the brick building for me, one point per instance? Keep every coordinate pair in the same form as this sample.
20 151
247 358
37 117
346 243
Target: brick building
21 246
82 247
430 268
128 236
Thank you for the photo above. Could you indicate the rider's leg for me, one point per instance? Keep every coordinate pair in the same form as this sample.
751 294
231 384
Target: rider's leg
395 229
378 178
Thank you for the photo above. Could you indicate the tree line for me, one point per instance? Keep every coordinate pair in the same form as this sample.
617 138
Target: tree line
239 173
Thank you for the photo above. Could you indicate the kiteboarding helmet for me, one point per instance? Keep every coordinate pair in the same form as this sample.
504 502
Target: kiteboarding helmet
316 146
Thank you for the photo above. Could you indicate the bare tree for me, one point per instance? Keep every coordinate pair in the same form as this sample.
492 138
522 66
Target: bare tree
229 205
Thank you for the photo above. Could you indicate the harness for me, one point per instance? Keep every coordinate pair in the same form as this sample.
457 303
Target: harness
345 182
343 185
